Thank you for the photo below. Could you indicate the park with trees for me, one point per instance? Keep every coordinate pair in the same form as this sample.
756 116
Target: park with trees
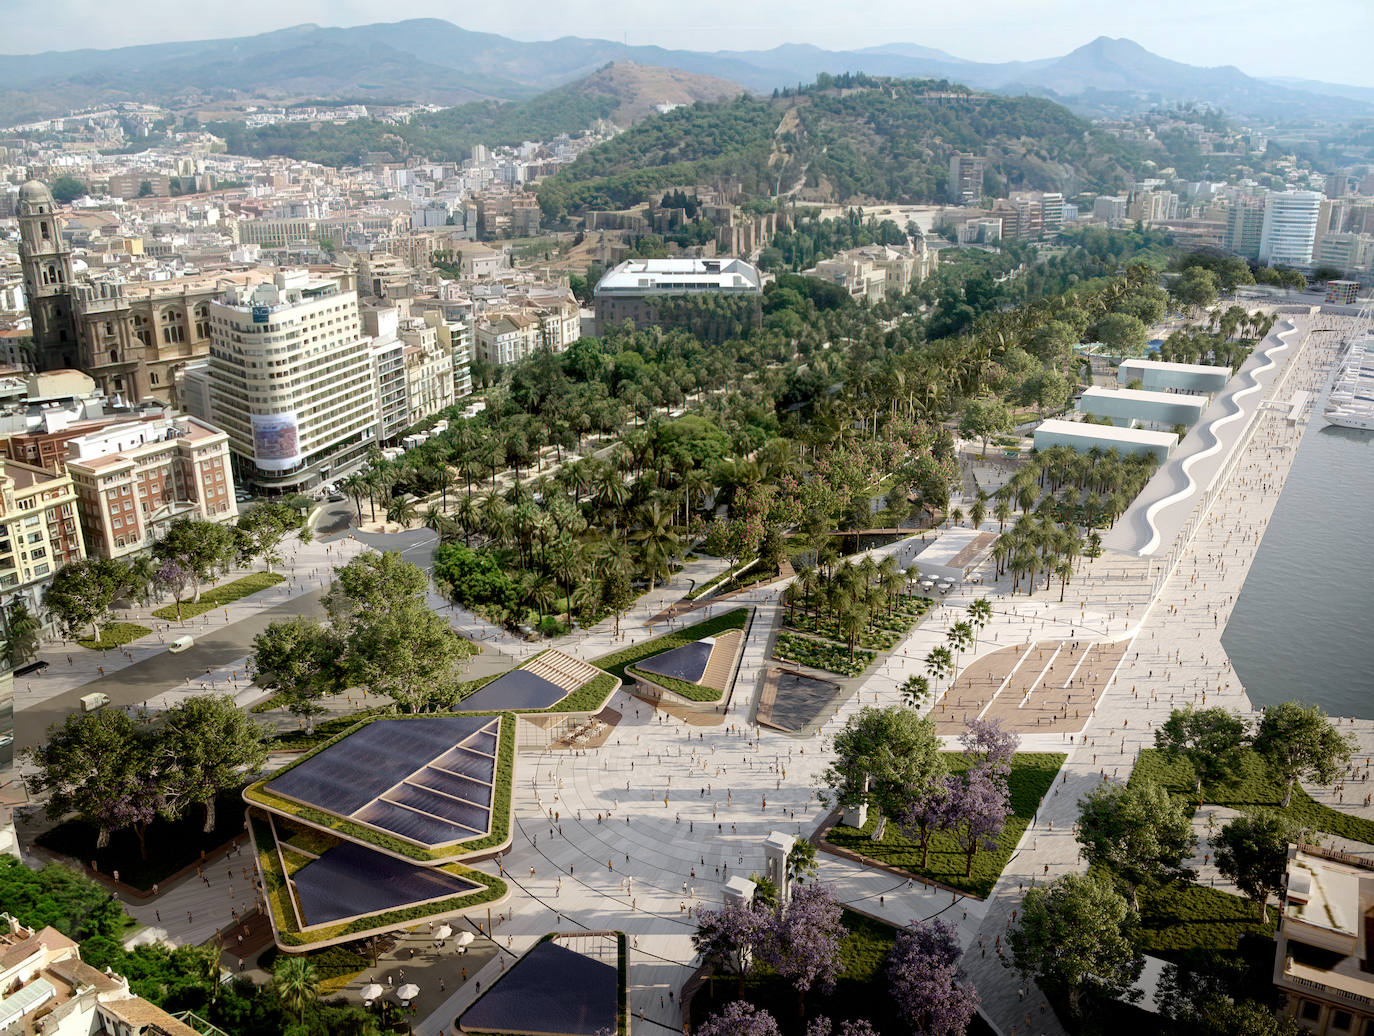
1083 936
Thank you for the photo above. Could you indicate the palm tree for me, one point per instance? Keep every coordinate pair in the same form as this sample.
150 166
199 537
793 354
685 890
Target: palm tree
977 511
658 539
401 509
939 662
960 638
468 517
979 615
296 983
356 487
1002 511
434 517
790 597
1064 570
956 516
853 621
914 691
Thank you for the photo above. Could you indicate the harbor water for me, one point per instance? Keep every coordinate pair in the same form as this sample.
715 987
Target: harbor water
1301 627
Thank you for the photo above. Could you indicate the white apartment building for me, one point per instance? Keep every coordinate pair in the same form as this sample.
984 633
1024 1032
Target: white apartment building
291 381
429 370
458 335
381 323
1290 227
506 337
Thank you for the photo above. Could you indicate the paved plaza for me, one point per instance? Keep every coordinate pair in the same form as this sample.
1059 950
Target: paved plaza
642 832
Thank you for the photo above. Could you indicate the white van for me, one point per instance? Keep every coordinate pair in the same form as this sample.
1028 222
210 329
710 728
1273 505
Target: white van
180 644
95 700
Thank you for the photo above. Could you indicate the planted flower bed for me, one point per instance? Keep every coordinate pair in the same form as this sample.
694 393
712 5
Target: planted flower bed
819 654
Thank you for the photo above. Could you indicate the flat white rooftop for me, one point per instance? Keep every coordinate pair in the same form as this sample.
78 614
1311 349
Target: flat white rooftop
1106 433
1146 396
1177 368
640 276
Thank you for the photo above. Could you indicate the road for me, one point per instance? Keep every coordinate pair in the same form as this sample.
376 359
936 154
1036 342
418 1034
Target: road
213 649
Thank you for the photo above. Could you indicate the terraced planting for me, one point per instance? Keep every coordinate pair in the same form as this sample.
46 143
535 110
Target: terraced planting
818 625
821 654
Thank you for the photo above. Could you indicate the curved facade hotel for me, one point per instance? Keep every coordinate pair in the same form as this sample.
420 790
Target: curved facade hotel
291 382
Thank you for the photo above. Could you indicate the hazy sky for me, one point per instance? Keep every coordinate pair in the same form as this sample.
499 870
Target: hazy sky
1324 39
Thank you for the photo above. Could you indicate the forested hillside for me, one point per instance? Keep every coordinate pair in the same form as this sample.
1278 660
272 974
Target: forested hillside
852 138
443 135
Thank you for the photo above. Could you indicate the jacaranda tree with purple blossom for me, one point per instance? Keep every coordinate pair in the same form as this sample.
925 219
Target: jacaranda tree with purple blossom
976 812
986 744
925 816
729 939
926 982
823 1026
802 941
739 1018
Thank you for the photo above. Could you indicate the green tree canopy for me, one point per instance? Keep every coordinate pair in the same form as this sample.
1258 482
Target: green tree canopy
1252 851
207 745
885 756
1209 739
1079 934
1136 831
1299 742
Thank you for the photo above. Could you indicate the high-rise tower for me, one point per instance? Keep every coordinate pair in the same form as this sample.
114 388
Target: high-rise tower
47 265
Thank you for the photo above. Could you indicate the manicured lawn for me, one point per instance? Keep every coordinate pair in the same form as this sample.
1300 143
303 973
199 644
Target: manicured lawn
1032 775
171 844
1179 919
1255 786
221 596
822 654
616 662
115 635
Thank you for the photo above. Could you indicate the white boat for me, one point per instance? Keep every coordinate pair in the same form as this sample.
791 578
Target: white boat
1350 403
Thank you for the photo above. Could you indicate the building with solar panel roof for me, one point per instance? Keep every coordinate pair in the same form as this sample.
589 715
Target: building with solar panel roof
369 832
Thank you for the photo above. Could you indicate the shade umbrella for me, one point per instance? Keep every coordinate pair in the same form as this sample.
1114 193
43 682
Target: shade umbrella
371 991
443 932
464 938
408 992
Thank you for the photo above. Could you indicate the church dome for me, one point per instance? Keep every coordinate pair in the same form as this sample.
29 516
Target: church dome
35 193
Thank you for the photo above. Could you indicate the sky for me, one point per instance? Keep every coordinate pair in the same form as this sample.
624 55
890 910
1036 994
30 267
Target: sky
1326 40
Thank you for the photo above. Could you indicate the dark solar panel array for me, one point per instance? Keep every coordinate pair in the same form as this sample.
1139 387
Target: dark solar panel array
477 765
346 776
518 689
349 880
683 663
551 989
445 800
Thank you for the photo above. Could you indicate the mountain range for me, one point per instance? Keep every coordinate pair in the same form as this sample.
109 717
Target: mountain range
435 61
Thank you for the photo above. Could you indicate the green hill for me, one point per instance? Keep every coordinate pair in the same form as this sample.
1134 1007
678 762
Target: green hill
448 134
849 138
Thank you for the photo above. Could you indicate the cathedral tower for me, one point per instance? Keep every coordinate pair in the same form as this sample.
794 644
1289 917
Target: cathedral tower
47 266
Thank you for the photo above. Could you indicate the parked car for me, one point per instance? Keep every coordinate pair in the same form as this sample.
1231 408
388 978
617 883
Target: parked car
181 644
337 498
94 700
